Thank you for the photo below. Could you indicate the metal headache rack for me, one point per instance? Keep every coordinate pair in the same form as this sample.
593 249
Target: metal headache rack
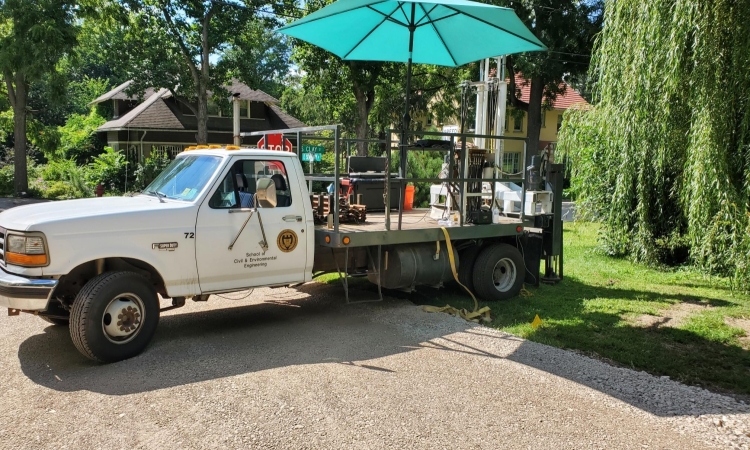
394 225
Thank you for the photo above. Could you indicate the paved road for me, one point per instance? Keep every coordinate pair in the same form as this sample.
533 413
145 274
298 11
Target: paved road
302 370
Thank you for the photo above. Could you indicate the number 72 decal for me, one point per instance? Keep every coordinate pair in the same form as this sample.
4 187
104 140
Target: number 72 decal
189 235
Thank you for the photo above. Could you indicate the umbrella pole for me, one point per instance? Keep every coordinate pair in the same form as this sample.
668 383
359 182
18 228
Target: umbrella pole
407 120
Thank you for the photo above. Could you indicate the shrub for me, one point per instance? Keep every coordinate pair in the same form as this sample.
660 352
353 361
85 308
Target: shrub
111 169
78 139
146 172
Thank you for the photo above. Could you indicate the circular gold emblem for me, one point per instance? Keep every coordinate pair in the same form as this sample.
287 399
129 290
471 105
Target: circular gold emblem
287 241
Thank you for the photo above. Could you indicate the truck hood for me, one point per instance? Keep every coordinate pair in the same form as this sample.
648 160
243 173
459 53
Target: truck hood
31 217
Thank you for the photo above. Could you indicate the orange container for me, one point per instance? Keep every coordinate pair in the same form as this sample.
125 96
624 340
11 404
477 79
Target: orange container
409 198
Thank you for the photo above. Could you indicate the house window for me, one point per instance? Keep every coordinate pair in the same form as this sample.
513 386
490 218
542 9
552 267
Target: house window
244 110
559 122
518 123
511 162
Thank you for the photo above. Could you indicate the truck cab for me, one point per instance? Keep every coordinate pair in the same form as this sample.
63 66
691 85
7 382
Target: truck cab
215 220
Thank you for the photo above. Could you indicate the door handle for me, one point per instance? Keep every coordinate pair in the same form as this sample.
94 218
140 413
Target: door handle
292 218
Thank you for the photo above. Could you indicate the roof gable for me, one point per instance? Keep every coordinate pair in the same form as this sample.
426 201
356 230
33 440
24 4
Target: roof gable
152 113
564 100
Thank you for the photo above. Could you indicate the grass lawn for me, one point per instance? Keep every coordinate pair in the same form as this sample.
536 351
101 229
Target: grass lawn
667 322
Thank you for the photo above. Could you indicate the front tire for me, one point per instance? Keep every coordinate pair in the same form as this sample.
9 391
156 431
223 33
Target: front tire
499 272
114 316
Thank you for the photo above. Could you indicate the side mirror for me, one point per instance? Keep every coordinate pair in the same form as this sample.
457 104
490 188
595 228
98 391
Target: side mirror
265 193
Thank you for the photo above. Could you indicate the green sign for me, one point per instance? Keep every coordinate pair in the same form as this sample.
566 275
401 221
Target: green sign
313 149
311 156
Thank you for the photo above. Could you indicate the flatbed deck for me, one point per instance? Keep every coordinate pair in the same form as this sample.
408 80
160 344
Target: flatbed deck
416 226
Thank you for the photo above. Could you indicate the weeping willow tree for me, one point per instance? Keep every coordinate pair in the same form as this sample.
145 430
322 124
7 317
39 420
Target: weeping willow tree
663 157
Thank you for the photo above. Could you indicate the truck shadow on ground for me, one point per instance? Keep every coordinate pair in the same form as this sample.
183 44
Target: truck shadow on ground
216 343
312 327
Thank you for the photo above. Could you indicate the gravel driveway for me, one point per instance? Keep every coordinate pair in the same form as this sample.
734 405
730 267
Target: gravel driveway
302 370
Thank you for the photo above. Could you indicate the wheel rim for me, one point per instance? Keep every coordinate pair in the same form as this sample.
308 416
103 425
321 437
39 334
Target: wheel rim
504 275
122 318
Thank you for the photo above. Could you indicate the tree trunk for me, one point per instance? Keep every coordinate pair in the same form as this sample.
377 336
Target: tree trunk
20 174
203 80
534 120
202 136
365 100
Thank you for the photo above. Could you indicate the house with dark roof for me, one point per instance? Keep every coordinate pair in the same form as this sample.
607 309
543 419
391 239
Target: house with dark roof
516 125
157 122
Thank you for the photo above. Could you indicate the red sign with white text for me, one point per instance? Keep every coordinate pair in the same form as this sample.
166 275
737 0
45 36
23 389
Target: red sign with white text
275 142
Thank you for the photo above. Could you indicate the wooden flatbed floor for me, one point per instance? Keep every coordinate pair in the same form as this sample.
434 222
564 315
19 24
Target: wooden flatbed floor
416 226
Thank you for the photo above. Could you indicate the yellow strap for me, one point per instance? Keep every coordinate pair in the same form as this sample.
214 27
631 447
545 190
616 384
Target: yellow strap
477 313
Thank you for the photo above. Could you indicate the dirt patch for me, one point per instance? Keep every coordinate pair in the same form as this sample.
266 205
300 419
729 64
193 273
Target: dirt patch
673 317
743 324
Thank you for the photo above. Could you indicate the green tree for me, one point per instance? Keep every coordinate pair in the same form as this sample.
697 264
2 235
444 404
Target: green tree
663 158
170 44
33 38
568 28
258 56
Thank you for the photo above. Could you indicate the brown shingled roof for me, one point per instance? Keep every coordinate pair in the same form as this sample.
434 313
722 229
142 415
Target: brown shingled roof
152 113
237 87
288 120
118 93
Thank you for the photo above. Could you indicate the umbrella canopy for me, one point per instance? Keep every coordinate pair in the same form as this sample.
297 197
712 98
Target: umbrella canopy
441 32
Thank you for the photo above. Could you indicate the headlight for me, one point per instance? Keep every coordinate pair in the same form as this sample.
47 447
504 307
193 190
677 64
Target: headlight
27 251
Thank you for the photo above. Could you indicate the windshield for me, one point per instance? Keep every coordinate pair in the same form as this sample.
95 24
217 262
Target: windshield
184 178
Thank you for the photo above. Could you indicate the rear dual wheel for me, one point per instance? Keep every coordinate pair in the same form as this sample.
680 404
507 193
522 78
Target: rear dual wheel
498 272
114 316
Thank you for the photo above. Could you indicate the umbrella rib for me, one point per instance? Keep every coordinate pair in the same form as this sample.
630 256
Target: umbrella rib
295 24
427 15
495 26
439 19
372 30
431 22
387 17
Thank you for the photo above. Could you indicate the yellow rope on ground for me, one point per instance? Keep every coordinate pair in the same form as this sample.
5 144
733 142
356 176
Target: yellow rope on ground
477 314
525 292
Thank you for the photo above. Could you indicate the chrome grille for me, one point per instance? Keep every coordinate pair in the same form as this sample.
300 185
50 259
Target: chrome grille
2 245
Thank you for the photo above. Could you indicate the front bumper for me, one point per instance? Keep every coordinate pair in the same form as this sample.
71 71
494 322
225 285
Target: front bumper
27 294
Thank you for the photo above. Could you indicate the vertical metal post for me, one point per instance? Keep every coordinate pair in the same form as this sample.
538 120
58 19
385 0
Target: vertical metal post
388 150
523 184
236 121
336 175
463 174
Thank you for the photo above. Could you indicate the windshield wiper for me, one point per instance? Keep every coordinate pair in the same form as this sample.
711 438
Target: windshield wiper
161 196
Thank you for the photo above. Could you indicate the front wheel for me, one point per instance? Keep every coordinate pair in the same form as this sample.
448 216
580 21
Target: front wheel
114 316
499 272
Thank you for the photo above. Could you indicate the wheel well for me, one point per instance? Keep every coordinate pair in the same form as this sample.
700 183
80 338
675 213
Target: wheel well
73 282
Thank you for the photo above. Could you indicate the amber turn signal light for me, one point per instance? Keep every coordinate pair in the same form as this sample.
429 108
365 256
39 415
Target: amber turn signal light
25 260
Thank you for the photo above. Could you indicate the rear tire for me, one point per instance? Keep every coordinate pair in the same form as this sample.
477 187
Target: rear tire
114 316
499 272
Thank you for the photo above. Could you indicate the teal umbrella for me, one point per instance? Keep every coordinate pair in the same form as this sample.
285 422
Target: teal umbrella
441 32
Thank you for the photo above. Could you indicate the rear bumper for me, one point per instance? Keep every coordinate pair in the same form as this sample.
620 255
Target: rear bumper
28 294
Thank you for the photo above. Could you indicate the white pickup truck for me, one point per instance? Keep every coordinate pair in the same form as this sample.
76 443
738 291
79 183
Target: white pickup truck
217 220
